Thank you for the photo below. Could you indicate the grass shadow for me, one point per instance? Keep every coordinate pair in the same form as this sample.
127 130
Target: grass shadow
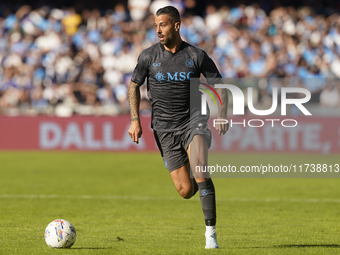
308 246
285 246
90 248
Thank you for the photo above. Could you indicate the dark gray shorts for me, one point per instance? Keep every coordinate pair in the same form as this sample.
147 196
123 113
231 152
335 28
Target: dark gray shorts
173 145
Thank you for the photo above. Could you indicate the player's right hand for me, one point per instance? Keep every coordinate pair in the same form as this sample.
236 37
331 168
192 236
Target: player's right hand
222 128
135 131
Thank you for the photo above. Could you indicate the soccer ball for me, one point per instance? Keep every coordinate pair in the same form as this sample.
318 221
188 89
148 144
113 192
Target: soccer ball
60 234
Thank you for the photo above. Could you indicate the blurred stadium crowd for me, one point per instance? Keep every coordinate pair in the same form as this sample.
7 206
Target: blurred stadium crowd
62 62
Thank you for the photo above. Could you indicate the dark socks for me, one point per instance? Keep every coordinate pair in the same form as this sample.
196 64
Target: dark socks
208 202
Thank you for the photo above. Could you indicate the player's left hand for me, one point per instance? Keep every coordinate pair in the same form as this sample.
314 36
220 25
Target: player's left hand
222 128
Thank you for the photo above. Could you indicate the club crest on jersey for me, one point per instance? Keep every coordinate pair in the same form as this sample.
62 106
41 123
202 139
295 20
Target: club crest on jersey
189 63
159 77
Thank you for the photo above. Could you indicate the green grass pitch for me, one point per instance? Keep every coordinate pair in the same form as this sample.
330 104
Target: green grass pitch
125 203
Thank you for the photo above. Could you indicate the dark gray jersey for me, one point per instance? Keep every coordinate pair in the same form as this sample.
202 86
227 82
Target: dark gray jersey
168 82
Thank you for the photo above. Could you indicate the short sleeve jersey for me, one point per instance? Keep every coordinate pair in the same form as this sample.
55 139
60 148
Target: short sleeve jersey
168 82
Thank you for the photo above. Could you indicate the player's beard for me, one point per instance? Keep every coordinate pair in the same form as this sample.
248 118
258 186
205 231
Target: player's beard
169 40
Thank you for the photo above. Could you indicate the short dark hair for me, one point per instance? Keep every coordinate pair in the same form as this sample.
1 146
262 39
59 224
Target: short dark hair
172 12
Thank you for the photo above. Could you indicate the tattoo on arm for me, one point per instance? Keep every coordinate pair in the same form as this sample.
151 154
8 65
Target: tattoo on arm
134 100
222 110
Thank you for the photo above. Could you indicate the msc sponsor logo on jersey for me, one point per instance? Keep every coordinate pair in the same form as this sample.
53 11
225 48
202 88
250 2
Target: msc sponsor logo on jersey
177 76
159 77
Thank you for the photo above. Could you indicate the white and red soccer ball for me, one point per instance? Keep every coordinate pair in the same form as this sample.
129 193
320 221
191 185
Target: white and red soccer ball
60 234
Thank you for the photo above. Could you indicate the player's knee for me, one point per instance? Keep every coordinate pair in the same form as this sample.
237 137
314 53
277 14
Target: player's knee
185 192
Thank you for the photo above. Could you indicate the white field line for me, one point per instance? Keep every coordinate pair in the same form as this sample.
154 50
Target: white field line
268 200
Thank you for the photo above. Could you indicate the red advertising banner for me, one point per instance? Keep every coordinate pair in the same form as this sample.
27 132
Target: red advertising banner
74 133
91 133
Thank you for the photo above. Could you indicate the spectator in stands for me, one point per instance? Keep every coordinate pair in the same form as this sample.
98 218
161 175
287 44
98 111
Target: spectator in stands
51 57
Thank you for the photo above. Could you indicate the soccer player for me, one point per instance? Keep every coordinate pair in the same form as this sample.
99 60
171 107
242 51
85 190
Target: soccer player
180 131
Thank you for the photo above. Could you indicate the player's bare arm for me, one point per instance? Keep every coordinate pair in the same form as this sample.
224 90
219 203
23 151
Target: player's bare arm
222 111
135 130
